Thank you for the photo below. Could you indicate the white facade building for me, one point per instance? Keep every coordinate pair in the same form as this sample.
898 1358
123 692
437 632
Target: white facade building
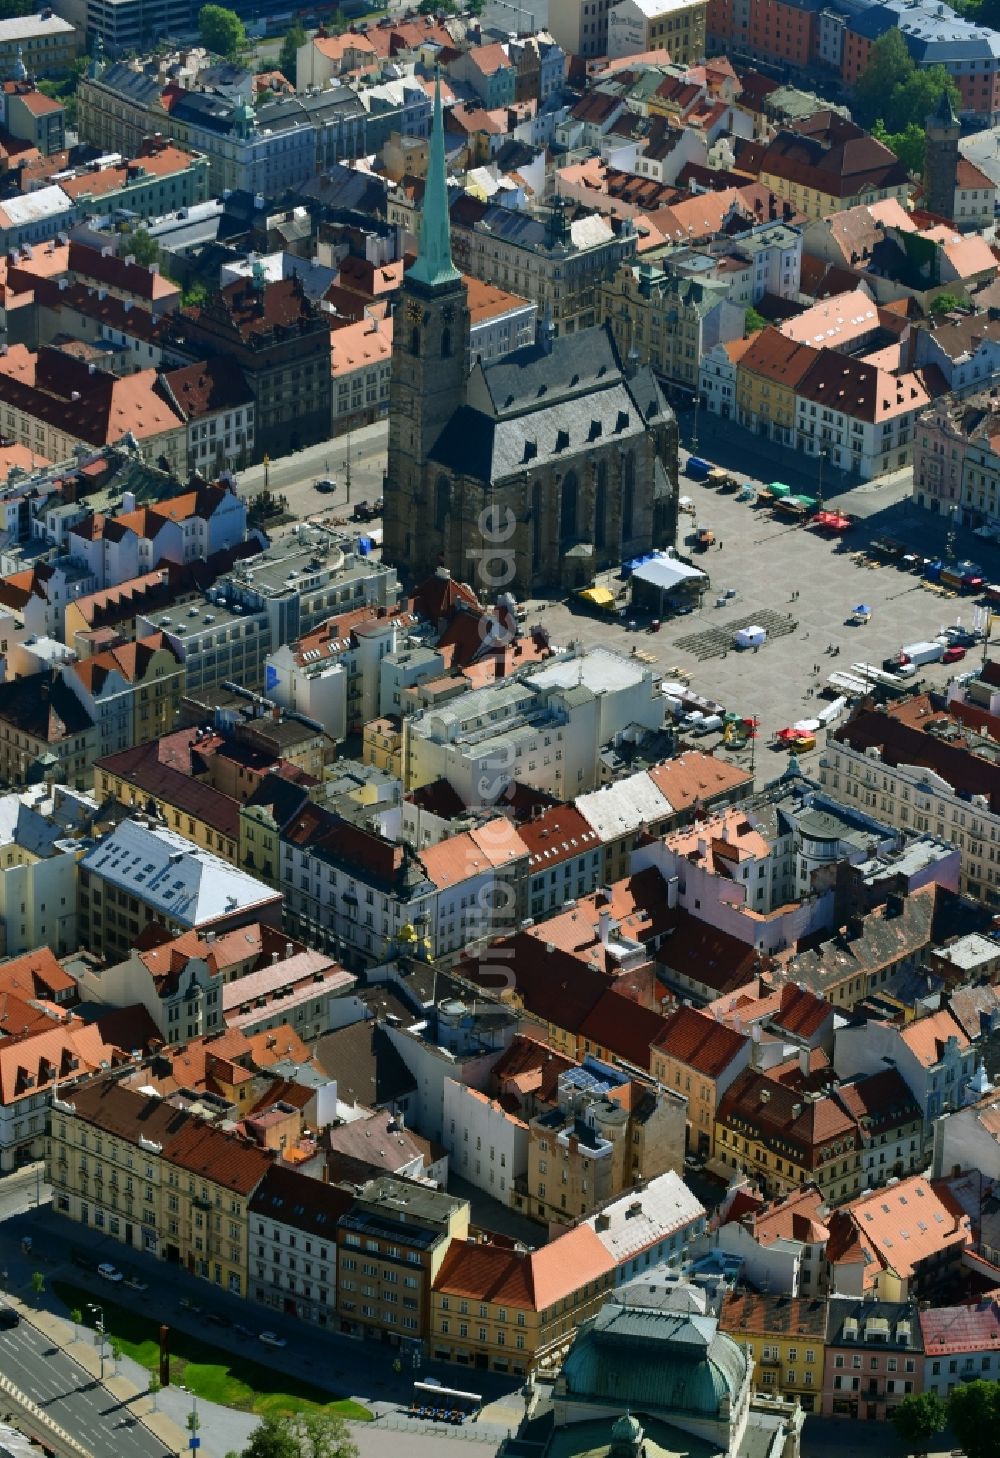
486 1145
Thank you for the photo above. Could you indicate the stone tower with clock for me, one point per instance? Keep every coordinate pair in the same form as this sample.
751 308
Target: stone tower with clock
430 364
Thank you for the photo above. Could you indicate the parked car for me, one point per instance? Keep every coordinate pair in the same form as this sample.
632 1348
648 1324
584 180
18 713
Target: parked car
9 1318
134 1284
216 1318
953 654
272 1339
325 486
241 1330
108 1272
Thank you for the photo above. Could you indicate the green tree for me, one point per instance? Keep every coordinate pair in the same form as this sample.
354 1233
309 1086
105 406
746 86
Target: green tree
76 1316
221 31
889 64
894 88
908 145
142 246
288 55
913 99
195 296
753 322
974 1415
945 303
918 1418
307 1435
38 1285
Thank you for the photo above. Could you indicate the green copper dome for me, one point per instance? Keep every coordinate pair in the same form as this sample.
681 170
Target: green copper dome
626 1430
657 1363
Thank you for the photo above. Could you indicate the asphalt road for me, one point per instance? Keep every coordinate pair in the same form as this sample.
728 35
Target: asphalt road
72 1398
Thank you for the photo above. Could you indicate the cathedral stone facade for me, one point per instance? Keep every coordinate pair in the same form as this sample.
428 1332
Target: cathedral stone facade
528 474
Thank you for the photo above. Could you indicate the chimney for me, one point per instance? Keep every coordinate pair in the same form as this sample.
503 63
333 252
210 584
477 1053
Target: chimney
604 926
804 1062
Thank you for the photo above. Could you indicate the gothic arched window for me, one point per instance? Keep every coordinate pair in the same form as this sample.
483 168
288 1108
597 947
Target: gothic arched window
536 524
442 503
415 341
445 343
601 506
568 508
628 495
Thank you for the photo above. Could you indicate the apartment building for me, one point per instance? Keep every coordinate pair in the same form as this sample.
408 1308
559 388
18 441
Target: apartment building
104 1162
932 1055
293 1244
557 262
269 599
360 362
909 765
141 873
391 1246
280 341
42 721
545 727
43 43
42 833
825 163
487 1144
604 1135
787 1137
675 26
507 1310
672 321
131 692
873 1357
786 1337
699 1058
960 1344
897 1243
52 402
159 178
209 1180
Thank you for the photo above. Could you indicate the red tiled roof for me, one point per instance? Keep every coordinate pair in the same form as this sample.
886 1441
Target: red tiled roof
700 1041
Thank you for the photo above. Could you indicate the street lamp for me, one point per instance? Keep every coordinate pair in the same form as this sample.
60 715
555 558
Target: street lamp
819 489
694 428
193 1423
101 1327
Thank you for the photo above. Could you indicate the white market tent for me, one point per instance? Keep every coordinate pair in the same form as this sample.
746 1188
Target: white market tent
666 573
751 636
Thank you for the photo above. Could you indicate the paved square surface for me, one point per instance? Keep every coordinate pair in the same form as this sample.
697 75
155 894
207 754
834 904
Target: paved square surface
765 560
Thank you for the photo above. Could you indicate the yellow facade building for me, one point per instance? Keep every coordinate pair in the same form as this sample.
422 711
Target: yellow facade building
786 1336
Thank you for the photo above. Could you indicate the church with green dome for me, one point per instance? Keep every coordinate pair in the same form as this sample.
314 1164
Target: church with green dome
653 1379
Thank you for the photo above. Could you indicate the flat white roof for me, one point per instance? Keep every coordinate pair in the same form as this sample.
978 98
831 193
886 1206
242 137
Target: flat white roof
598 669
189 885
25 27
33 207
624 806
642 1218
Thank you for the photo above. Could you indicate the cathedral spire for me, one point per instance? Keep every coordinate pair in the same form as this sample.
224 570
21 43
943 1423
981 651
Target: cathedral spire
433 266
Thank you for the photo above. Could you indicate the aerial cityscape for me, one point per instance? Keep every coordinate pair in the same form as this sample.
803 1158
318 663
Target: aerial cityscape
500 729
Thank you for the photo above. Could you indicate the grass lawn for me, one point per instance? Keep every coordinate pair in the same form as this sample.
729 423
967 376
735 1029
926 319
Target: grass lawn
230 1379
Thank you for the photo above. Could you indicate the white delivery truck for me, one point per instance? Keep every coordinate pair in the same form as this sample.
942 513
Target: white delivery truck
927 652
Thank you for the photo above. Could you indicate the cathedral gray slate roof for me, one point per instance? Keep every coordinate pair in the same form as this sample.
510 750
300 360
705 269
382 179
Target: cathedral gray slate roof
543 404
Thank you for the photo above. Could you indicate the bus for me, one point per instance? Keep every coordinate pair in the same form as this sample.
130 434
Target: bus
446 1404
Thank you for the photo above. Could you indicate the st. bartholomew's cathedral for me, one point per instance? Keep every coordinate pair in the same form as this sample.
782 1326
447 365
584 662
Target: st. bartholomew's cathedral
529 473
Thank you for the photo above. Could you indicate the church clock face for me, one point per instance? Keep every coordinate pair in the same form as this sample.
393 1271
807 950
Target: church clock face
414 312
